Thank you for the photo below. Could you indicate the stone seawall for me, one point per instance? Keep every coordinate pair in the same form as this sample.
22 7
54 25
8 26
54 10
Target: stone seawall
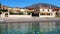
32 19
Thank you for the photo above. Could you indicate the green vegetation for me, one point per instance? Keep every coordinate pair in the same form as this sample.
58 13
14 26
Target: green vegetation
29 13
12 12
21 13
0 5
2 10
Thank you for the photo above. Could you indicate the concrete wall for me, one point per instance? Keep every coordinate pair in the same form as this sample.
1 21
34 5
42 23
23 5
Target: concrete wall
3 14
46 16
23 16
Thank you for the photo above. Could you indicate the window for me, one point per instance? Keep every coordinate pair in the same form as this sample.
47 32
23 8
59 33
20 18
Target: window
48 13
48 10
43 10
42 13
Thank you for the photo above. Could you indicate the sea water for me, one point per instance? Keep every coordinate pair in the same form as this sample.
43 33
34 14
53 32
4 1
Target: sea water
30 28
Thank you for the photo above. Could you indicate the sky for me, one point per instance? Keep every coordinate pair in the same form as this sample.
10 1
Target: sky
24 3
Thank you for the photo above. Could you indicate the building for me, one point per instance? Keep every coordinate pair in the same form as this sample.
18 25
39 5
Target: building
46 11
41 11
4 11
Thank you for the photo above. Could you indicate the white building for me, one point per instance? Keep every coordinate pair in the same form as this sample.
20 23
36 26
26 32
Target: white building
47 11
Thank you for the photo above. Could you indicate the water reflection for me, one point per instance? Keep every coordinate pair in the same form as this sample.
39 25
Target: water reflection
30 28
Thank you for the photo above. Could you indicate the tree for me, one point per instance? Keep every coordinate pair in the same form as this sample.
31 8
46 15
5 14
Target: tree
4 10
0 8
0 5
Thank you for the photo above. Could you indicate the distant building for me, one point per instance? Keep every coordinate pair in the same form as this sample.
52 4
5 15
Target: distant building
48 11
41 11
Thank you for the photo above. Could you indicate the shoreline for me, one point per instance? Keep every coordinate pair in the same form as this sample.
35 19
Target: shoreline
32 19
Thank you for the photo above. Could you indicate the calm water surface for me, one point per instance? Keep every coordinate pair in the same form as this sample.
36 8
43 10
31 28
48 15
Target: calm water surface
30 28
